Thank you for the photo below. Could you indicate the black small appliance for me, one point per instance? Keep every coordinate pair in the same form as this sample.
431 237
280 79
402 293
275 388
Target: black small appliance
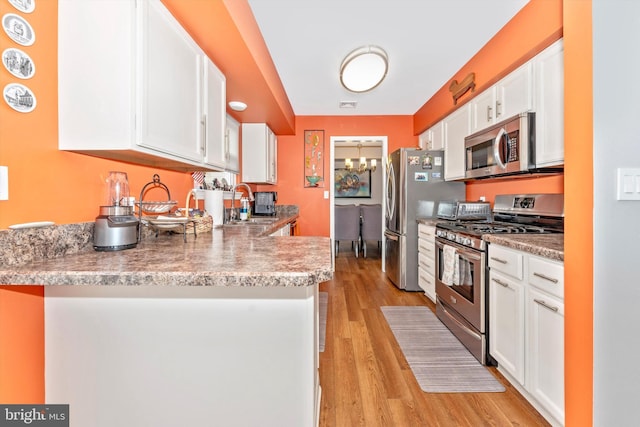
265 202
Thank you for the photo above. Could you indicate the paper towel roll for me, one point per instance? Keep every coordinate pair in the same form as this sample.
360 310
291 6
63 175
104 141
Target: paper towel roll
214 205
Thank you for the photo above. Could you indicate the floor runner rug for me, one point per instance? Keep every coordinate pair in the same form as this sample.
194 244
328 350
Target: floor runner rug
440 363
323 301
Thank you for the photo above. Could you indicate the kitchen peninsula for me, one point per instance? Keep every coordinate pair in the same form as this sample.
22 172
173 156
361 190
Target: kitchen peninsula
220 330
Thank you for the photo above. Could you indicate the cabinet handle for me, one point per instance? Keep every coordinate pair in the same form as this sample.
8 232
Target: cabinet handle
203 147
500 282
489 117
542 276
498 109
227 155
545 305
501 261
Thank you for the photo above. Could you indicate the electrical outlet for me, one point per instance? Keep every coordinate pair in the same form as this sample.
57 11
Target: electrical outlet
4 183
326 194
628 184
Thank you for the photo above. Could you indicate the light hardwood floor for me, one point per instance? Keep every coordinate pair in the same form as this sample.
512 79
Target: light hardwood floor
364 377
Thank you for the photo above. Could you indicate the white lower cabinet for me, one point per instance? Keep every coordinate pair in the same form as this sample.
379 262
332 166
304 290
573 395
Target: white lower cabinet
427 260
506 299
526 326
285 230
545 322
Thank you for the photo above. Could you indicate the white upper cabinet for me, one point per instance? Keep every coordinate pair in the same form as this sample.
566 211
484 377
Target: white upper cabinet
433 138
144 92
214 116
170 85
510 96
549 105
456 129
232 146
259 154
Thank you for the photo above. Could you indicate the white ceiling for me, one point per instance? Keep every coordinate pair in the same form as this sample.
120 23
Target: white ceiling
427 42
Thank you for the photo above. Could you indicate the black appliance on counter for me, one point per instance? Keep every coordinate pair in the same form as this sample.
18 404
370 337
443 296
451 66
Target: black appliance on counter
265 202
461 293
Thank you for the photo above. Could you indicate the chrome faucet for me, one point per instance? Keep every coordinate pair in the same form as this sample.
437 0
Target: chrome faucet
232 215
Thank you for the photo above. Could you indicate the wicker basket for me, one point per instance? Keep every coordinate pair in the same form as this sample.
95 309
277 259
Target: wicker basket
199 224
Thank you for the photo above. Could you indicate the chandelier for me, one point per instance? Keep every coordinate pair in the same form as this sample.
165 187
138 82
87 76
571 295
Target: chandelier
362 164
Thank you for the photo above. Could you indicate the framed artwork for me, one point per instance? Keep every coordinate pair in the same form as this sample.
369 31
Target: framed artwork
313 158
351 184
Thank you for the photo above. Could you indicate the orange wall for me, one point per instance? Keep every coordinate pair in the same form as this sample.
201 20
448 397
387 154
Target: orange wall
314 208
535 27
578 243
46 184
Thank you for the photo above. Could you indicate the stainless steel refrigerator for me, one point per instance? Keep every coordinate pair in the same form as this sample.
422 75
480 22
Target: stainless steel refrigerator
415 186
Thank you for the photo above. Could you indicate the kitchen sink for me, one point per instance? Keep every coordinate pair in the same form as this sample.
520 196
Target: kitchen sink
252 221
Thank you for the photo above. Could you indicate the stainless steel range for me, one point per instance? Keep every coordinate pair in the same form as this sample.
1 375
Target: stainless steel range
461 299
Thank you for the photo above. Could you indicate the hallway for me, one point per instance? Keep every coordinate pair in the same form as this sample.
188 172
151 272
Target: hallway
364 377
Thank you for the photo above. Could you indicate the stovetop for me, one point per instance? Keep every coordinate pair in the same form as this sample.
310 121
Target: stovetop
511 216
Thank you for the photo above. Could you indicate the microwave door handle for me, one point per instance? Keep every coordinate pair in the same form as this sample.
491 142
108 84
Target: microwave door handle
497 154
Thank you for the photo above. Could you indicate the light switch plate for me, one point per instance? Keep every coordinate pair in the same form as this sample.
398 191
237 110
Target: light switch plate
4 183
628 184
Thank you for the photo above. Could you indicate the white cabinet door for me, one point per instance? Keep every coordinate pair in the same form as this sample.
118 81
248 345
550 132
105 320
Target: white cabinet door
506 324
483 110
549 105
510 96
232 142
514 93
259 154
545 331
170 85
433 138
214 115
272 157
456 129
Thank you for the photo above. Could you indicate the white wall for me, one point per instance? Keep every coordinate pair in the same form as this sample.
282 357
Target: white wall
616 143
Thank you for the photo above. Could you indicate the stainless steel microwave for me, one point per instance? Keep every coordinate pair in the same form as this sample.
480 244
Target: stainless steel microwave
505 148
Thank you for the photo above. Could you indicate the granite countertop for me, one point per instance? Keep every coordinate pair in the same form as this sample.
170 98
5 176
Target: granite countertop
428 221
546 245
230 255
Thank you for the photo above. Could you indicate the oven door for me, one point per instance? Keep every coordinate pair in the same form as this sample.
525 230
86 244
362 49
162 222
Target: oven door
467 297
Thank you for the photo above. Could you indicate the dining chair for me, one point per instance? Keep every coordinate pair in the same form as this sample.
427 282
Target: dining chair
371 225
347 226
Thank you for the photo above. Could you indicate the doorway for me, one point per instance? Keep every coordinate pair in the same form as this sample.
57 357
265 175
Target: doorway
371 147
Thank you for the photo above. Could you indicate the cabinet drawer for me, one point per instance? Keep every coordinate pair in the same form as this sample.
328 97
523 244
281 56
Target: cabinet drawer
426 247
427 262
427 282
546 275
506 261
427 232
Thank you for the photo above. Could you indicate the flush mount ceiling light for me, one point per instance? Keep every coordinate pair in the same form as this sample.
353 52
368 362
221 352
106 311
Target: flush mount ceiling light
364 69
237 105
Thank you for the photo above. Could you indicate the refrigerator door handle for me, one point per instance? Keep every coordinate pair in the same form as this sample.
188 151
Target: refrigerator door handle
391 236
391 191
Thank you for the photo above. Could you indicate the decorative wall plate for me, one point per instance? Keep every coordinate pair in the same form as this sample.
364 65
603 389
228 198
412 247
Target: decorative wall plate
18 29
19 97
18 63
25 6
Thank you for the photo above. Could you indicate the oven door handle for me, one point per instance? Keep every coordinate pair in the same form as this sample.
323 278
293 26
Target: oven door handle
459 323
465 253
